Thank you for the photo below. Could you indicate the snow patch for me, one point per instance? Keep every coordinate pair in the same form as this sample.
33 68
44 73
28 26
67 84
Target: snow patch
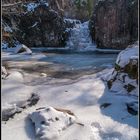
124 57
31 6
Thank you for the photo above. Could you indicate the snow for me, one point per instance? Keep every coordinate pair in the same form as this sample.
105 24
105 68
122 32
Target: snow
125 56
31 6
49 122
4 45
12 86
83 98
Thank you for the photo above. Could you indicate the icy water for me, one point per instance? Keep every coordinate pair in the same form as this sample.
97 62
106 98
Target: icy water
75 61
65 65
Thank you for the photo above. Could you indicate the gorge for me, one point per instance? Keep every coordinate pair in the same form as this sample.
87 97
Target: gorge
70 70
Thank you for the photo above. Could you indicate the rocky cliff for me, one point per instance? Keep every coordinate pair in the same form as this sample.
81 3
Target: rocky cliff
33 24
114 23
41 23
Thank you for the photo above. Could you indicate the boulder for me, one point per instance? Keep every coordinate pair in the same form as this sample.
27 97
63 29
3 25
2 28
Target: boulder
114 23
50 122
21 48
125 75
123 80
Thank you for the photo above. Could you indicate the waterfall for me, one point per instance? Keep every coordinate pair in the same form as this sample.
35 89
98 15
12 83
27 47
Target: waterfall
80 38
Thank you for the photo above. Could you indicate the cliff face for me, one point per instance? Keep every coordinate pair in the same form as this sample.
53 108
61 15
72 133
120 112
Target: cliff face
41 23
33 24
114 23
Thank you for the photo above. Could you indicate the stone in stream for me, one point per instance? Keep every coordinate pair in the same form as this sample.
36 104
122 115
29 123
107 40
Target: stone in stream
21 48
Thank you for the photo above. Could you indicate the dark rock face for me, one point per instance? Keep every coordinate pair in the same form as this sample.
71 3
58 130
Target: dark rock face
39 27
43 27
114 23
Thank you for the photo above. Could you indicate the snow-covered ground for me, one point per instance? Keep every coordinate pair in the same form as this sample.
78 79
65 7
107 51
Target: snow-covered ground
83 97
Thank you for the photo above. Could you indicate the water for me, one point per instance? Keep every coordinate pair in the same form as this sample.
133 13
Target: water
75 61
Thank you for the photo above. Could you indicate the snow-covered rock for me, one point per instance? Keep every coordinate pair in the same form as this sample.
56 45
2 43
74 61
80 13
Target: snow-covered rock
10 109
3 72
21 48
31 6
124 78
131 52
15 77
49 122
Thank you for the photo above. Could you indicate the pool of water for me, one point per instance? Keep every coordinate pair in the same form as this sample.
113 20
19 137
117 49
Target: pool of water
65 65
83 60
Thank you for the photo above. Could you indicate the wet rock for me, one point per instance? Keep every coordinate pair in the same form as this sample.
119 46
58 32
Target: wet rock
105 105
109 28
132 108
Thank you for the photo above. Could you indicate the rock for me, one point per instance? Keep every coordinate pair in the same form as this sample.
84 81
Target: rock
132 108
126 71
114 23
17 107
105 105
4 72
33 99
10 111
35 24
50 122
21 48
